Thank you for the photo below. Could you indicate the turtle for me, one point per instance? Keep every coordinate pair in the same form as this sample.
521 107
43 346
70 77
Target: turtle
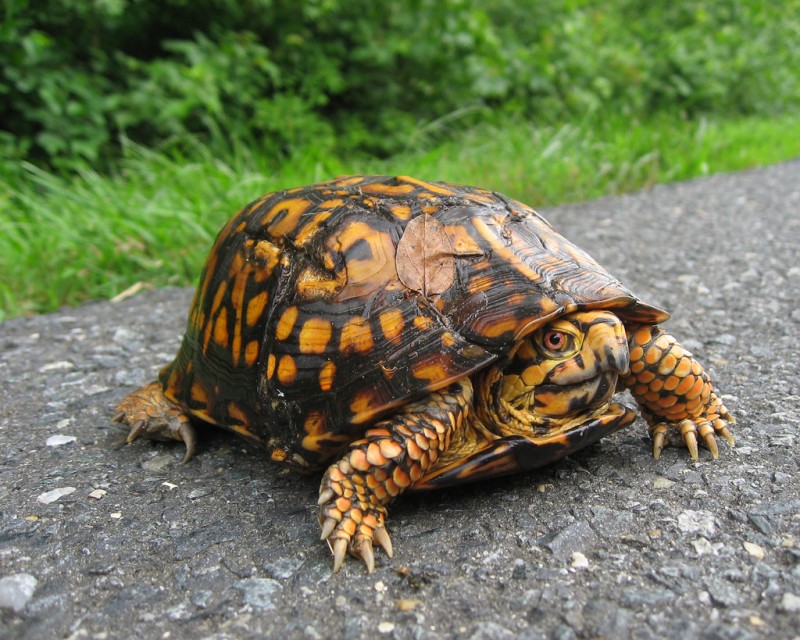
404 335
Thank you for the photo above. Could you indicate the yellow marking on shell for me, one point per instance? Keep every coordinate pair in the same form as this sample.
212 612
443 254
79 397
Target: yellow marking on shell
255 308
287 369
448 339
433 188
237 413
221 335
430 209
209 325
423 322
311 227
324 443
356 336
198 392
463 242
314 424
313 284
348 181
499 327
388 189
504 252
315 335
270 366
251 350
482 197
292 209
286 323
268 257
326 376
278 455
431 371
333 203
364 402
400 211
392 325
237 300
364 275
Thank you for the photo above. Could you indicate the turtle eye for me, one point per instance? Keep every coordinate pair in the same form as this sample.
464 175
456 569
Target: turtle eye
556 344
555 341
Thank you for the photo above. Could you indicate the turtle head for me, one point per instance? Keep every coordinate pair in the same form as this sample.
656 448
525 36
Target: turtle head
558 378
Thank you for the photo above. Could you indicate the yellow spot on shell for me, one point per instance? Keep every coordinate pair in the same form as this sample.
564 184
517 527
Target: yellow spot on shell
314 423
433 188
251 352
423 322
287 369
315 335
364 402
236 412
388 189
286 323
400 211
199 393
270 366
285 214
448 339
326 376
392 325
499 327
356 336
221 328
255 308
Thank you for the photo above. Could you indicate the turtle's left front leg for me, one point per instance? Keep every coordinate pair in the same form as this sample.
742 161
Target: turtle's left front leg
674 392
393 455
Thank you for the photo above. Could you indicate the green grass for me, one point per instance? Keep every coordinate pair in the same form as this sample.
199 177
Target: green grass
68 239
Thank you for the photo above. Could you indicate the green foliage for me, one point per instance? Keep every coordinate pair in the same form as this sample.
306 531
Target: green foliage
81 79
66 238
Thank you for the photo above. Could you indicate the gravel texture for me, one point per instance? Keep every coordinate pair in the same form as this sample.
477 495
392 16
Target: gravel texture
104 542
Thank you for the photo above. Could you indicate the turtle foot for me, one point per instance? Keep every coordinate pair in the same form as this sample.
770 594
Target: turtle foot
352 519
150 414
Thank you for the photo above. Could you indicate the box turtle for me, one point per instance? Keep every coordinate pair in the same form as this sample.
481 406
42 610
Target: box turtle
411 335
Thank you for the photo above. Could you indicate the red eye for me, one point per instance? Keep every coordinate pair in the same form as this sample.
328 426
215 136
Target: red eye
555 341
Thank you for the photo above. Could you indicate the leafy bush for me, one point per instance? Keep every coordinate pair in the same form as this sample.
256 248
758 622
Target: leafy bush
81 78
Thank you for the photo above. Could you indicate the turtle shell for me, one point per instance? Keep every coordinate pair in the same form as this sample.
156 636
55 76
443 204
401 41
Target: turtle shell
324 307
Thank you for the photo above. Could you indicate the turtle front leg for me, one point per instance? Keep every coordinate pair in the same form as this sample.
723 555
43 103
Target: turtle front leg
391 457
150 414
674 392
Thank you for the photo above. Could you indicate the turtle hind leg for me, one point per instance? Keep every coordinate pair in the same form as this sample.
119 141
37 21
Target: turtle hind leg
150 414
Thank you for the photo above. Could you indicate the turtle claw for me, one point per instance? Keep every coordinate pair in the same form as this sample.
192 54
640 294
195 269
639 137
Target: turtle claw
326 496
688 431
364 549
327 528
339 548
659 439
383 539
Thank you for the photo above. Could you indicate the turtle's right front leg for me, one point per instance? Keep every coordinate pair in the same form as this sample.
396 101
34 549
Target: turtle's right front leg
391 457
150 414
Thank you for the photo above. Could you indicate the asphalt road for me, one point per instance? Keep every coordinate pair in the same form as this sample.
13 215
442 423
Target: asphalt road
97 542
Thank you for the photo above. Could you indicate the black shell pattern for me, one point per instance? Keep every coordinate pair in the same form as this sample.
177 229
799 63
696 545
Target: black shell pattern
322 308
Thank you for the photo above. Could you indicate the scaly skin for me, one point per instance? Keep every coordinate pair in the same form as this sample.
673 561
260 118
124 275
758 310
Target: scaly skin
150 414
388 460
674 392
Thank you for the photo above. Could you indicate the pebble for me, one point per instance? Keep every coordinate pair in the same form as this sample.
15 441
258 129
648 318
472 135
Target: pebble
754 550
16 590
98 493
790 603
579 561
58 440
663 483
258 592
51 496
158 463
385 627
701 522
